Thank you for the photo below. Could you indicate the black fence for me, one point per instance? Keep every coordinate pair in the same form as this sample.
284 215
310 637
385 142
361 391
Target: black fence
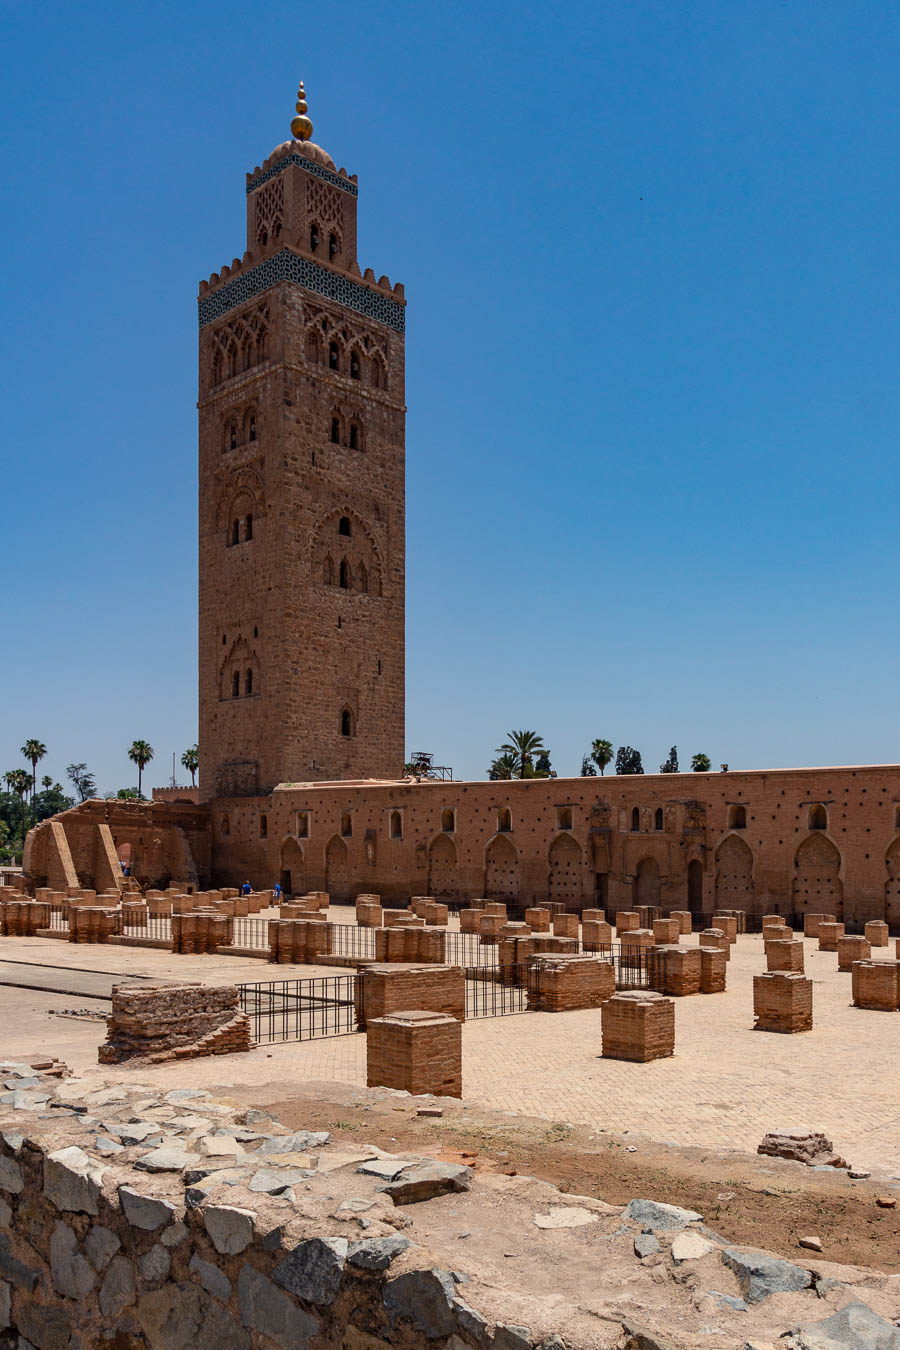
495 993
300 1010
353 942
59 919
467 949
250 931
157 927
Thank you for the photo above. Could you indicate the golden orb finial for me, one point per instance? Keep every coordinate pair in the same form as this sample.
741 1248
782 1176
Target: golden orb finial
302 127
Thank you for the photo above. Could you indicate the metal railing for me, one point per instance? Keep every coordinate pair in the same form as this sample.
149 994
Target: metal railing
353 942
59 918
157 927
495 993
300 1010
250 931
467 949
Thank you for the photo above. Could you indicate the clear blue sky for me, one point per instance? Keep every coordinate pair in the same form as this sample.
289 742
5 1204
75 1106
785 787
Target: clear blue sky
650 252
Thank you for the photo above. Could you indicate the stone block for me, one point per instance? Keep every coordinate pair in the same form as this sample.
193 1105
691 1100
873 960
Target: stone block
876 985
675 971
415 1051
850 948
382 989
626 921
829 932
811 923
714 937
713 970
666 932
877 933
782 955
727 924
565 925
638 1026
782 1001
596 933
564 983
685 920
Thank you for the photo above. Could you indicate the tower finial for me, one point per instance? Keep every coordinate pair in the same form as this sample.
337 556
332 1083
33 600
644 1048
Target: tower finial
301 126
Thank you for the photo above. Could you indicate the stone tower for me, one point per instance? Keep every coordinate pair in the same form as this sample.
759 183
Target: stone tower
301 412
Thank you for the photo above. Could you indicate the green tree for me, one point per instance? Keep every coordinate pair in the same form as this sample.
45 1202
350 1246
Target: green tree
701 764
82 780
588 768
46 782
523 746
542 766
628 760
141 753
601 754
191 761
33 751
51 801
19 782
504 766
671 764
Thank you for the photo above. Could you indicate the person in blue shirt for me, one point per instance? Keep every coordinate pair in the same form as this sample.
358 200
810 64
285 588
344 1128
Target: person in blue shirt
276 892
246 888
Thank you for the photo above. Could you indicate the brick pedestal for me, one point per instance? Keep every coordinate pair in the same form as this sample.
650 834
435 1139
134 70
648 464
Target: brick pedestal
713 970
727 924
714 937
595 933
419 903
495 907
383 989
637 938
415 1052
778 933
468 920
626 921
647 915
401 918
435 914
666 932
164 1021
638 1026
685 921
411 944
784 956
876 985
877 933
565 925
782 1002
675 971
489 926
828 936
299 941
811 923
90 923
567 983
538 919
739 915
514 952
23 918
593 916
851 948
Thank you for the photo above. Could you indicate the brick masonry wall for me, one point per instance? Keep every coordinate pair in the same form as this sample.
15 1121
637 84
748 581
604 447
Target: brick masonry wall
384 989
567 983
876 984
638 1027
415 1051
782 1002
156 1022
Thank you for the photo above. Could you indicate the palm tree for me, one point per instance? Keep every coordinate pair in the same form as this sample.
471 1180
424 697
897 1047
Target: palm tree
601 754
18 781
46 782
504 766
191 760
141 753
523 746
33 751
701 763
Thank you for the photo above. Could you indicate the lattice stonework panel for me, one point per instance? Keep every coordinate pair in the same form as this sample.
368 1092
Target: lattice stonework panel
324 205
269 211
287 266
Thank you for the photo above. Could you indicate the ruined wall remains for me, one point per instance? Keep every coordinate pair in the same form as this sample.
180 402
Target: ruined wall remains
174 1020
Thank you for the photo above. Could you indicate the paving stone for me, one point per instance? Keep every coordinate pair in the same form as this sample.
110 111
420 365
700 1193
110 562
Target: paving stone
145 1211
690 1247
273 1181
231 1229
118 1290
299 1142
70 1274
166 1160
154 1264
645 1244
387 1168
565 1216
760 1275
652 1214
313 1270
72 1181
213 1280
185 1095
266 1310
108 1146
223 1147
855 1327
377 1253
729 1301
424 1298
423 1181
131 1132
100 1246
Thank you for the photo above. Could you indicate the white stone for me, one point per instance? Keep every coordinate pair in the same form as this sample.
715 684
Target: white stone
565 1216
690 1246
231 1229
71 1182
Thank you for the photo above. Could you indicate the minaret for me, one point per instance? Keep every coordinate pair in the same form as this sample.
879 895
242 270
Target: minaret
302 512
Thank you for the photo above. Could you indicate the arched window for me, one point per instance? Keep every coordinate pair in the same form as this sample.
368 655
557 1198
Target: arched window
328 572
362 579
235 532
236 685
346 722
248 683
353 439
302 824
354 364
334 356
248 530
448 820
346 825
312 348
737 817
264 827
658 819
344 526
504 820
818 818
377 373
564 817
635 819
333 245
344 575
396 825
313 237
251 427
232 359
231 436
335 431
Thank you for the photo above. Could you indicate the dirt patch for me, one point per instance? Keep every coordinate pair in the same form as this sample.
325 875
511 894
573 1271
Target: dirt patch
757 1201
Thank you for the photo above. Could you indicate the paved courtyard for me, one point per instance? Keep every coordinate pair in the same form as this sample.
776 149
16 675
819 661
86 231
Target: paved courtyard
726 1086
